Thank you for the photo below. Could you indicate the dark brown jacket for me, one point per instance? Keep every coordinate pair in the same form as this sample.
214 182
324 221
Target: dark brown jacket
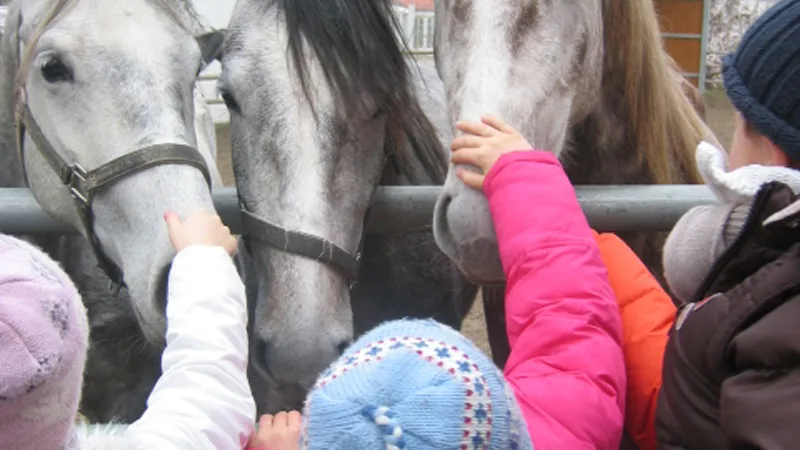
731 375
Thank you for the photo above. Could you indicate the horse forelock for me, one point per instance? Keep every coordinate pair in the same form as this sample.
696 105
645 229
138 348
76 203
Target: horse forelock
362 61
662 122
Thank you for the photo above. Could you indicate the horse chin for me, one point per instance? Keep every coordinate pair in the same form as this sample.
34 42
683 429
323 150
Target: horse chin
463 229
153 325
146 277
271 395
483 274
149 304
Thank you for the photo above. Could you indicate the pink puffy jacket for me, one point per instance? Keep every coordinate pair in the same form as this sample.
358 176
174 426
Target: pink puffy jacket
566 364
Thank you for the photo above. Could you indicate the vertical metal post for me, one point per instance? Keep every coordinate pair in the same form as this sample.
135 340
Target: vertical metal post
410 25
704 46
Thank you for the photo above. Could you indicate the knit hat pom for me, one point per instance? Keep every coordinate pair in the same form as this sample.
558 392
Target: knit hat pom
43 336
413 384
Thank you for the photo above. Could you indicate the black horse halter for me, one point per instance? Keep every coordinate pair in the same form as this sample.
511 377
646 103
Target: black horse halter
308 245
83 184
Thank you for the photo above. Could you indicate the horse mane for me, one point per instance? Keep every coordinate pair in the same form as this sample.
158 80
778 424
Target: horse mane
663 124
692 93
362 60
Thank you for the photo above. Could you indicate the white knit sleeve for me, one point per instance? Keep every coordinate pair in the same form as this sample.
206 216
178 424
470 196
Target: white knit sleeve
203 399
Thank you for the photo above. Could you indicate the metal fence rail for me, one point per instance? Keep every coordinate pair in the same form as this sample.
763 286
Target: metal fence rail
608 208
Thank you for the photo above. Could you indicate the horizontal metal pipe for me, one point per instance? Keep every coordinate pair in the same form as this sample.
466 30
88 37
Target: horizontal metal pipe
401 208
692 36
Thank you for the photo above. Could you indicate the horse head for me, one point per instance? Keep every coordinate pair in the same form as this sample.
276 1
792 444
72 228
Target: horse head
586 80
535 64
104 102
314 131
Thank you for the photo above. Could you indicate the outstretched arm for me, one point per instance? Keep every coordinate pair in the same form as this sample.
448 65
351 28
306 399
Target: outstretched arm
566 363
203 399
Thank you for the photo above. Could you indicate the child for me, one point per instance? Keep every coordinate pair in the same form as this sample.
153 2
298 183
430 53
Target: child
731 375
407 384
202 400
43 337
566 368
647 313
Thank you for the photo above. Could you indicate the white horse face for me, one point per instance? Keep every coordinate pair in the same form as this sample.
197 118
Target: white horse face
306 173
537 65
310 161
103 80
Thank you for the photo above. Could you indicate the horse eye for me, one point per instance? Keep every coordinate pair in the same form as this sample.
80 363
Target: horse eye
227 97
54 70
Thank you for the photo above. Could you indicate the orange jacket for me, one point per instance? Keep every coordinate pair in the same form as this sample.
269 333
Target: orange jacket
647 315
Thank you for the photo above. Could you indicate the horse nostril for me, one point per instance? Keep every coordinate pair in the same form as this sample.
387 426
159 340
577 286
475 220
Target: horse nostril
444 202
343 346
161 288
441 227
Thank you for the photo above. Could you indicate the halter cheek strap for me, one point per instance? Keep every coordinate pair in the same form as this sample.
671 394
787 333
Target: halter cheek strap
302 244
83 184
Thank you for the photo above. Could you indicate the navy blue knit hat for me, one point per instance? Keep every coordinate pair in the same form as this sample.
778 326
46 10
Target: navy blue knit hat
413 385
762 78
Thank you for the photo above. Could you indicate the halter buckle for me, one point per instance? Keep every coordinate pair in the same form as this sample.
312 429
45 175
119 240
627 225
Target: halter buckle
76 181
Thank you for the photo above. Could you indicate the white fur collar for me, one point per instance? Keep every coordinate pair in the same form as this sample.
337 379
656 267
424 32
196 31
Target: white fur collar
742 184
102 437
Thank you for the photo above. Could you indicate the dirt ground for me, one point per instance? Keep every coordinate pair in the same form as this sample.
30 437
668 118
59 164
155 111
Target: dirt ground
719 116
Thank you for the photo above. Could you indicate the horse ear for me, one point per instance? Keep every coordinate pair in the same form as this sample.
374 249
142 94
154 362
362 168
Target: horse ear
211 45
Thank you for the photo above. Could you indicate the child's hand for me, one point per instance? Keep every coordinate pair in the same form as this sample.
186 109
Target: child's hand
200 228
281 432
481 145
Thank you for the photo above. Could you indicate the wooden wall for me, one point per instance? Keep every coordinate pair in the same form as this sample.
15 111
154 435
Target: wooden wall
682 28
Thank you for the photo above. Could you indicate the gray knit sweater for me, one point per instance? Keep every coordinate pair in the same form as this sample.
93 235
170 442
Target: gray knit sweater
703 233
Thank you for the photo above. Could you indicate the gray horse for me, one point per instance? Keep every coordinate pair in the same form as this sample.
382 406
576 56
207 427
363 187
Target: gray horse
94 81
315 131
587 80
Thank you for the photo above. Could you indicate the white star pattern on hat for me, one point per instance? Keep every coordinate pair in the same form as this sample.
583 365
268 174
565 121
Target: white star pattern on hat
478 407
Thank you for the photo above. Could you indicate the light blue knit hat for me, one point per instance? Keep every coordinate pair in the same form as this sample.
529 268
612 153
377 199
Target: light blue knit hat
413 385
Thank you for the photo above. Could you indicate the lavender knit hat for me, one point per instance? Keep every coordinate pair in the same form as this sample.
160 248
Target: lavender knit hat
413 385
43 338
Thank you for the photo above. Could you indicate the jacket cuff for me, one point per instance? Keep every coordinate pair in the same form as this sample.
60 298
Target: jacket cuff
499 166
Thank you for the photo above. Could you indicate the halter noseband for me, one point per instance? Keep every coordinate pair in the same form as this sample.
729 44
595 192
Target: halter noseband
302 244
308 245
83 184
